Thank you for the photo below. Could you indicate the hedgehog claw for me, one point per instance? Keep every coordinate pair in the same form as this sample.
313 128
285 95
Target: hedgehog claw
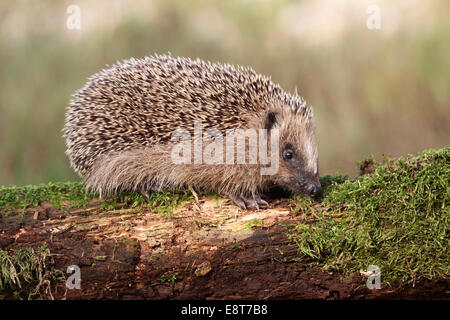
260 201
245 202
157 189
145 191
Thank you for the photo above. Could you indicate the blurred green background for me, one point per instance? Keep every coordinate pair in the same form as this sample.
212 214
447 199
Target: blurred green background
374 92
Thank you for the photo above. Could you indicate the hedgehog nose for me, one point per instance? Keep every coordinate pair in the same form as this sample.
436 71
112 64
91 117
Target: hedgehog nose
314 191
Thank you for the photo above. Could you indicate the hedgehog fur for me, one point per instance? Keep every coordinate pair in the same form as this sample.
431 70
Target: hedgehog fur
118 128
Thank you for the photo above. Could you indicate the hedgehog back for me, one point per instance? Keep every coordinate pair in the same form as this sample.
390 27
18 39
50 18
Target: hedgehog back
139 102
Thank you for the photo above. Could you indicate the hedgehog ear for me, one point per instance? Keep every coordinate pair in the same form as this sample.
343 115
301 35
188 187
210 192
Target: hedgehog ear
271 120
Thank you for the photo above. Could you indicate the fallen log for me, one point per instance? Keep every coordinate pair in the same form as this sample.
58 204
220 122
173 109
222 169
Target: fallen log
205 250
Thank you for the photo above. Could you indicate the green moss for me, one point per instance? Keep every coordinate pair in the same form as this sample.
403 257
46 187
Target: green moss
396 218
28 273
14 198
302 204
254 223
100 258
64 196
164 202
169 277
330 179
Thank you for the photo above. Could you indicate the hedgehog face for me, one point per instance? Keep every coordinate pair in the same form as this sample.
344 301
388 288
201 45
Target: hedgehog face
298 163
298 170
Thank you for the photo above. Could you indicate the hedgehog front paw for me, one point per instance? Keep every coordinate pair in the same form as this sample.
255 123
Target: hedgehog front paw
246 202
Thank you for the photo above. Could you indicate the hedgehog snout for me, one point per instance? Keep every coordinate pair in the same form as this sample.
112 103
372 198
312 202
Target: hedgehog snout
307 188
314 191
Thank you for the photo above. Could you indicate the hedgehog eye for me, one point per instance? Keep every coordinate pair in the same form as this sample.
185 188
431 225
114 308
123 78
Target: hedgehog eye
288 154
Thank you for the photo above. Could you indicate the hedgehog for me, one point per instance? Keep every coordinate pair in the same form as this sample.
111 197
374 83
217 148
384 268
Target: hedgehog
119 130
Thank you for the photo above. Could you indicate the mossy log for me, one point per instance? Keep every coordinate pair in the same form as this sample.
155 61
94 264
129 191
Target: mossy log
205 250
